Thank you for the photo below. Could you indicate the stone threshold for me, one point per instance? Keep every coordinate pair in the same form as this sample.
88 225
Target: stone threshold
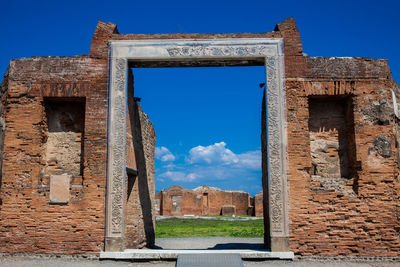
172 254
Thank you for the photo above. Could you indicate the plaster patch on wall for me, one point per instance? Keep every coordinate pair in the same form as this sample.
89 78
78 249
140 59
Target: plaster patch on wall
335 184
378 113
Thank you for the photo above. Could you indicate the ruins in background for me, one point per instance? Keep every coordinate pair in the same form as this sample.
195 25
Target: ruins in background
206 200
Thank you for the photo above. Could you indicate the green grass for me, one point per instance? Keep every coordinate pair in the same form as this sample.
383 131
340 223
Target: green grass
175 227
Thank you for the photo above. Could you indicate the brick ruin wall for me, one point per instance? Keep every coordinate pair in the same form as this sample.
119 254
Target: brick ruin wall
56 125
343 172
139 206
3 104
40 94
342 164
258 204
204 200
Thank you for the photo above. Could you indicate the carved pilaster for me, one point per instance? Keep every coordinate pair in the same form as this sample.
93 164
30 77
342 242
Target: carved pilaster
277 155
116 154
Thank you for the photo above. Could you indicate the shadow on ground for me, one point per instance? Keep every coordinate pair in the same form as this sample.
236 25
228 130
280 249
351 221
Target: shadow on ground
238 246
210 243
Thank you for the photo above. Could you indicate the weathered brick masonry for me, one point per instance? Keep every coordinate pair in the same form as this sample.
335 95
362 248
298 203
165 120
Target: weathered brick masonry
352 211
203 200
29 223
343 154
139 214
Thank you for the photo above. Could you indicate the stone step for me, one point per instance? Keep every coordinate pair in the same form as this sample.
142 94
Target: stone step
209 260
172 254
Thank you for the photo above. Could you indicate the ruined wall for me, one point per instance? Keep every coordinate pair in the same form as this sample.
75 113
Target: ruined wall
106 31
343 175
140 196
178 201
258 204
3 105
54 169
29 222
396 91
203 200
218 198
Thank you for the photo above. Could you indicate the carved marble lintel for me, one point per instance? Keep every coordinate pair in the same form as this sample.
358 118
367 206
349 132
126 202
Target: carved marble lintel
218 51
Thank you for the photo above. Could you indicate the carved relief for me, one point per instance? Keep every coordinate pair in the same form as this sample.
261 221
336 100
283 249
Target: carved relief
119 79
218 51
117 144
275 140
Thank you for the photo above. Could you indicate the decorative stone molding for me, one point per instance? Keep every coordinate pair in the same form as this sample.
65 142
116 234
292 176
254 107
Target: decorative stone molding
277 154
116 154
269 51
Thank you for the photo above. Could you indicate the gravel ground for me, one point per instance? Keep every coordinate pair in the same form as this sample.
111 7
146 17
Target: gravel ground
193 243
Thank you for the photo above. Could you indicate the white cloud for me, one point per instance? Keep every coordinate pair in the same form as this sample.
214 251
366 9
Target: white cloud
250 160
178 176
212 163
212 154
163 154
218 154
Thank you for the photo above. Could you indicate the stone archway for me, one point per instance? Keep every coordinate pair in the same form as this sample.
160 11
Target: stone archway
216 52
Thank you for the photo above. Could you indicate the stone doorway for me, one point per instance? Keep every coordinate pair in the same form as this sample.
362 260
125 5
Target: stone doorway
184 53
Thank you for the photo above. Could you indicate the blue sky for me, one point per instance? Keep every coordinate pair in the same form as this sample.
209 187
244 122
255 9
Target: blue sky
208 125
215 140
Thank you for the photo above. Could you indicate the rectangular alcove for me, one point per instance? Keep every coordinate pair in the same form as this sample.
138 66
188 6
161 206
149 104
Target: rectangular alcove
332 141
65 120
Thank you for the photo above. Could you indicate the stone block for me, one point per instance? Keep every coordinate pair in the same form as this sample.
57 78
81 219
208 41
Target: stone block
59 189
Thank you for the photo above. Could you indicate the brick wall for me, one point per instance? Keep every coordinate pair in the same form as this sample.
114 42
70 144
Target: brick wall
337 214
139 207
3 104
258 204
29 223
204 200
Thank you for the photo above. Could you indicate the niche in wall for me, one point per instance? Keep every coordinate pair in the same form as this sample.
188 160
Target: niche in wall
332 141
65 119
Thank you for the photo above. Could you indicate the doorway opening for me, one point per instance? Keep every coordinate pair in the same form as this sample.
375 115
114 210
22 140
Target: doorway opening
208 151
218 52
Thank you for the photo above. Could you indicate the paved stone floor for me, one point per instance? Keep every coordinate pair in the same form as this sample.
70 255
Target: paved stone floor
21 262
193 243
